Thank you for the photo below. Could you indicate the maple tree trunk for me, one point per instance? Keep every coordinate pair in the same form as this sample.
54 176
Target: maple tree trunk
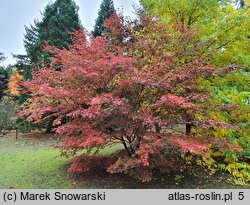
16 134
157 128
50 125
126 148
188 128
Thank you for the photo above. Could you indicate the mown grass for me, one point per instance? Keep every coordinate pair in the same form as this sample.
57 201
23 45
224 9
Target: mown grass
33 169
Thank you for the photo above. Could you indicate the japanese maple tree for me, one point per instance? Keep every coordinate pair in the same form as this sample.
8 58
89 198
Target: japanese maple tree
125 88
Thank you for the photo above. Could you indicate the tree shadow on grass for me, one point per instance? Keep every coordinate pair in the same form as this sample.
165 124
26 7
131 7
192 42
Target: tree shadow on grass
204 179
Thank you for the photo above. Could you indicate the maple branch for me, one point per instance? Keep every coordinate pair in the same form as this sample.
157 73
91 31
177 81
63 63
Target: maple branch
215 40
125 146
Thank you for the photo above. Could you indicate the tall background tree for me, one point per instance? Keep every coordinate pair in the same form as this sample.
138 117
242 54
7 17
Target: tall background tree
1 57
3 81
3 77
223 41
58 20
106 10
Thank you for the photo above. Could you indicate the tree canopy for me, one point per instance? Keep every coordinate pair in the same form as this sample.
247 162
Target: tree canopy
118 98
3 81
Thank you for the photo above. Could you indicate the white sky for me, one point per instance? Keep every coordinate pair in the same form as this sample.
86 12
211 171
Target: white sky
14 14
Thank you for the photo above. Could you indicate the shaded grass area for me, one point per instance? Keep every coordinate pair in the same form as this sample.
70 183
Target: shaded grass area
27 141
173 180
31 163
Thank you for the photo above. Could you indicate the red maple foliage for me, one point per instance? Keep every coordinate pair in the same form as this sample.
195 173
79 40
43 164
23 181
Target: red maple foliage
119 90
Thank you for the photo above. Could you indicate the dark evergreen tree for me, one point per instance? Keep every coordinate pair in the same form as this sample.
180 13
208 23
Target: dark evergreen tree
105 11
31 44
3 81
23 66
59 19
2 57
3 77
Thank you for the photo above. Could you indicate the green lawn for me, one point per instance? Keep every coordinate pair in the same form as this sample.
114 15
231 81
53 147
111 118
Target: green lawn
29 162
33 169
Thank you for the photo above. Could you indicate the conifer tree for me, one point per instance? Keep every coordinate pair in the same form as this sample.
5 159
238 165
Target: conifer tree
3 81
58 20
106 10
1 57
3 77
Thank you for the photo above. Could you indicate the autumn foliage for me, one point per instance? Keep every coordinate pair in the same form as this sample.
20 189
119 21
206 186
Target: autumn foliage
129 88
13 84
